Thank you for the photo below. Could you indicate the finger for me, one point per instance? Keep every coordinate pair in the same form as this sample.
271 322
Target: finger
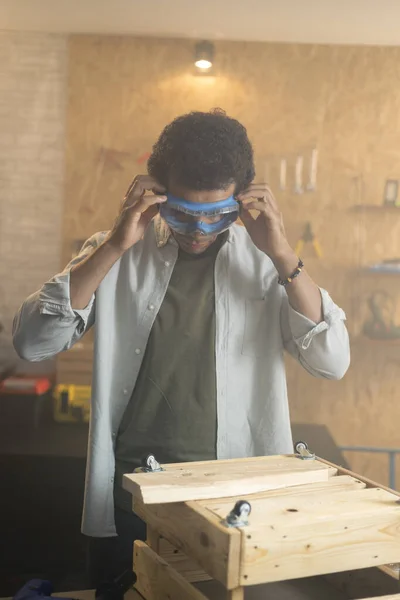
247 218
140 185
145 203
263 206
256 186
259 191
256 193
144 217
150 213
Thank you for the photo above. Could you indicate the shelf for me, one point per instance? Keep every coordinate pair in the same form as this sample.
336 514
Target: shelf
369 271
375 208
363 339
365 343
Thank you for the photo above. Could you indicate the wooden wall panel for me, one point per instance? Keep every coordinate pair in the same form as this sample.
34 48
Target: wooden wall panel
343 100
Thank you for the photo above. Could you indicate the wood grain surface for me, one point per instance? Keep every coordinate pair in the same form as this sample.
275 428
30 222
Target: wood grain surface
216 479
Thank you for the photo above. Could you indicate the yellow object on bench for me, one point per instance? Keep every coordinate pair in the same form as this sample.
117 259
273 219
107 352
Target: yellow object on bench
71 403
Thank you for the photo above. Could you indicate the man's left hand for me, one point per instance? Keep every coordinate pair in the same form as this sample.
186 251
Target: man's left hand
266 229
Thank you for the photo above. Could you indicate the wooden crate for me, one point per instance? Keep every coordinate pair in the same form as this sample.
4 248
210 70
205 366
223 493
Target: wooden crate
308 519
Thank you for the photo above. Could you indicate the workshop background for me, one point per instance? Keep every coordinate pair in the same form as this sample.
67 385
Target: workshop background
78 116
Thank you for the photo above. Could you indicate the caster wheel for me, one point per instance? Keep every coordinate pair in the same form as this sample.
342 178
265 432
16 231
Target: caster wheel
242 508
300 446
150 464
148 461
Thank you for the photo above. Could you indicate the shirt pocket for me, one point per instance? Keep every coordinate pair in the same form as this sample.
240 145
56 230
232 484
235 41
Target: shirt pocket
254 335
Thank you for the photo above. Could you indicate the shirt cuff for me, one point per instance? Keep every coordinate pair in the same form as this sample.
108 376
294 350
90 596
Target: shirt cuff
304 330
54 299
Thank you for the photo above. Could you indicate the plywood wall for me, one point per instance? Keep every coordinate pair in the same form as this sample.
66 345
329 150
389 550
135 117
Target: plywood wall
345 101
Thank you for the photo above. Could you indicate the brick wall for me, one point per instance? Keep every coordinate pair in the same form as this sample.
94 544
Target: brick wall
33 71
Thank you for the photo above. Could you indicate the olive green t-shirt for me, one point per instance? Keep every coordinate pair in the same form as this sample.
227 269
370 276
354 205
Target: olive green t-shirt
173 409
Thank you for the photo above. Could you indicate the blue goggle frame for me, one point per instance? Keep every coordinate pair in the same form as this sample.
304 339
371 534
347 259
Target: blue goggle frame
228 208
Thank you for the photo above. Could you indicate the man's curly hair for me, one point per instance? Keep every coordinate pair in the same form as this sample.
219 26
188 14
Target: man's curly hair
203 151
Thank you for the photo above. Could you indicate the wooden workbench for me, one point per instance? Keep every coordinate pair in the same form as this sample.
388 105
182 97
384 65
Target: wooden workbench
309 519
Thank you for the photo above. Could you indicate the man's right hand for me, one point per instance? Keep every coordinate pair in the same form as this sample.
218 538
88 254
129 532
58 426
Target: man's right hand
137 210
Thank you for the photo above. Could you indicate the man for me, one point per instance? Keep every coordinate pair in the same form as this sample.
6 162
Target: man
193 314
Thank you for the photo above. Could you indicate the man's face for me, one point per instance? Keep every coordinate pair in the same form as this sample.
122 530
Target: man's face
198 242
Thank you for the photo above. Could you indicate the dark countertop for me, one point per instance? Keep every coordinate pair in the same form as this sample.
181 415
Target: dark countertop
48 439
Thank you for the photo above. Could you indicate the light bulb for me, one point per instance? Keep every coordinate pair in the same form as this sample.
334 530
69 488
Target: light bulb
203 64
204 56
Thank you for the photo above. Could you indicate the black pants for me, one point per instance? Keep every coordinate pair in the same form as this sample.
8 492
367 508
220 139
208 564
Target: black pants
110 557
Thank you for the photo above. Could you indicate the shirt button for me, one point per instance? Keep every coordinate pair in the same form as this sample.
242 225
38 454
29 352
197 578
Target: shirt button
112 479
125 391
151 307
113 435
167 263
137 351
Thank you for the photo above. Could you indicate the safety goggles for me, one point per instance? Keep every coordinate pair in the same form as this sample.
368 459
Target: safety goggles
210 218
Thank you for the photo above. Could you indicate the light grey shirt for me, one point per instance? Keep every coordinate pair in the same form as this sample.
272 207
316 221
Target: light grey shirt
254 325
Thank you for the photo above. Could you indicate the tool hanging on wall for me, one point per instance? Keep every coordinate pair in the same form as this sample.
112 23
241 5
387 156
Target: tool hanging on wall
294 172
312 181
308 237
298 176
391 193
381 325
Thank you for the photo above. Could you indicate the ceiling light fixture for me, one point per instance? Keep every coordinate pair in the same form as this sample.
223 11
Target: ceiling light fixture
204 56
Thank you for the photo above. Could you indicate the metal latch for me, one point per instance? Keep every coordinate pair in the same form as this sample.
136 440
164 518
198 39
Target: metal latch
302 450
238 517
149 465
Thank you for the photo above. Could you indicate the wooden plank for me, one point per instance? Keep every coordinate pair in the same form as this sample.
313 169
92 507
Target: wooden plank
368 482
216 479
393 597
187 567
153 539
237 594
74 366
199 534
157 580
392 570
334 485
303 537
289 508
294 510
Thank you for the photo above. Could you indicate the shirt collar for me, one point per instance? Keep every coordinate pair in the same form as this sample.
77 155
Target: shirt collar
162 231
